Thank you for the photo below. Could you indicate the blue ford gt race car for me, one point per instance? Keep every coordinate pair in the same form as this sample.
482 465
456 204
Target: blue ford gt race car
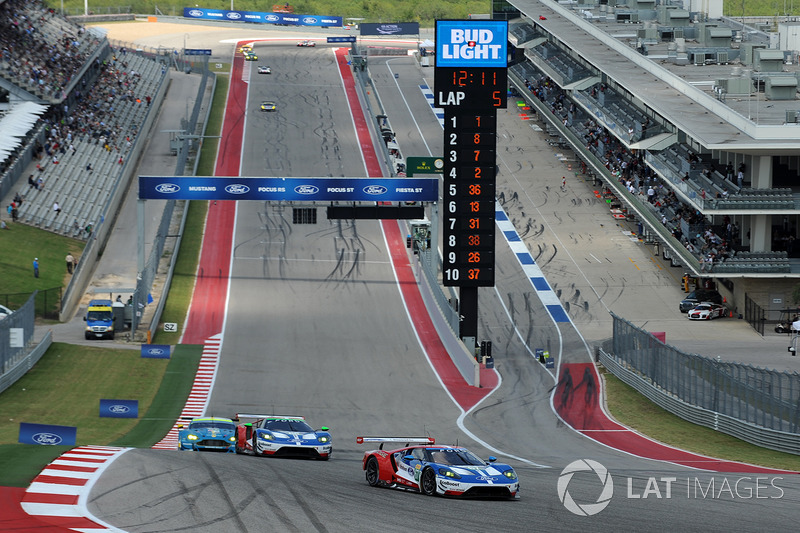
209 433
281 435
442 470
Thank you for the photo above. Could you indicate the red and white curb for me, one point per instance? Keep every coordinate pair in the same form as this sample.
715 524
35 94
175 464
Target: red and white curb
201 390
58 495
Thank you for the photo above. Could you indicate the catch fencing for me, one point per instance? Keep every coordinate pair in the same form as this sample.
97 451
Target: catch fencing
16 336
752 400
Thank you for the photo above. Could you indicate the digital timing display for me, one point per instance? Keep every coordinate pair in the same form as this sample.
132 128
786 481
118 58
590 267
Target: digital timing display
470 88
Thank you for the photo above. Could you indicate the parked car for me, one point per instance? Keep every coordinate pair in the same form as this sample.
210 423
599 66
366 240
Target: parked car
706 311
697 296
4 311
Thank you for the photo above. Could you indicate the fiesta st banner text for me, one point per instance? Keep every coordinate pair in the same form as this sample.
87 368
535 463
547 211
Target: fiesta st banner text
264 18
289 189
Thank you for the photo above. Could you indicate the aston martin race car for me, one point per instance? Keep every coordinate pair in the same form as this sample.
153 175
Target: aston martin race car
268 106
433 469
706 311
208 433
280 435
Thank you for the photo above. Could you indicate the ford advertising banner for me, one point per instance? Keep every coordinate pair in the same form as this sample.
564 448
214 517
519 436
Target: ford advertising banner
471 43
119 408
261 17
397 28
47 434
155 351
289 189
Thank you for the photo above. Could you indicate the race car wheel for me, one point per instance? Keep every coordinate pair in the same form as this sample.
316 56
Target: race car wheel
427 482
373 472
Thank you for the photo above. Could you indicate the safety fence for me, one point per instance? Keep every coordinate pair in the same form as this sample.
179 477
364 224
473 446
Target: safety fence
751 403
754 314
47 302
16 333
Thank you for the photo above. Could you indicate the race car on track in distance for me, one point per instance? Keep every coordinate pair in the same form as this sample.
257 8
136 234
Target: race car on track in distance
207 433
250 56
282 436
263 69
706 311
246 48
268 106
307 43
422 466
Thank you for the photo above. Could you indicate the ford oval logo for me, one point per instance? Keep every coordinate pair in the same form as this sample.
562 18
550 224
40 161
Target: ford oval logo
195 13
234 15
271 18
119 408
309 20
237 188
155 351
46 438
485 478
306 189
375 189
167 188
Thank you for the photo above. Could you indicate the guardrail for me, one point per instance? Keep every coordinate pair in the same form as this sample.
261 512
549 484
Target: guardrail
768 438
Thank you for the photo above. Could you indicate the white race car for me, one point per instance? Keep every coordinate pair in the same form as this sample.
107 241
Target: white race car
307 43
280 435
706 311
262 69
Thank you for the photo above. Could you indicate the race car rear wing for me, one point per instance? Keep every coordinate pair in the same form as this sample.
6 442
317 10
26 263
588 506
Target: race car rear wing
407 440
245 417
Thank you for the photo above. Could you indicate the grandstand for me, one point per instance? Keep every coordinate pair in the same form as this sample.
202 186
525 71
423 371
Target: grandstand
688 120
81 104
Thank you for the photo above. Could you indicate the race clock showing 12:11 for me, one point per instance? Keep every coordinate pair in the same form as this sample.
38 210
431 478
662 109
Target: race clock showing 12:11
470 87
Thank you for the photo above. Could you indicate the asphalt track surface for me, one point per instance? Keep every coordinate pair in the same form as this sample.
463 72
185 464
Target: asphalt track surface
315 325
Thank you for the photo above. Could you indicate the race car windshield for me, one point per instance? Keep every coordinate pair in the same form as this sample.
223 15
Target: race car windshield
287 425
207 425
455 457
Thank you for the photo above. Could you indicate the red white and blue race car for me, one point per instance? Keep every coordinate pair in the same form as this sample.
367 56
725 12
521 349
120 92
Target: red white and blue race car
279 435
422 466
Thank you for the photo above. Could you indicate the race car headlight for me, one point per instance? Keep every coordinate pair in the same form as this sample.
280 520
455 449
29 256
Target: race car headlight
266 436
510 474
192 437
324 439
446 472
232 439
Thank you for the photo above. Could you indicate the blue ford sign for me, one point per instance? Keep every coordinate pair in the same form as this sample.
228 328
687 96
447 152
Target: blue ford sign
471 43
155 351
262 17
47 434
119 408
288 189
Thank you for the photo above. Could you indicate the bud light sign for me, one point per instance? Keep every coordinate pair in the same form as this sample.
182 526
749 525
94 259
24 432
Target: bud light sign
46 434
471 43
119 408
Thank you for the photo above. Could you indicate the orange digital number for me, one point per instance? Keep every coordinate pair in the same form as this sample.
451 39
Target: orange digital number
474 189
473 273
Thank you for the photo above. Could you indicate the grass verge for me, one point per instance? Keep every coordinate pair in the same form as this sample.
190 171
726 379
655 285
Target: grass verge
634 410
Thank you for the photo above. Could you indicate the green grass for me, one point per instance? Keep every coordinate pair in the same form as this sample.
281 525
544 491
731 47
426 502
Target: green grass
19 245
422 11
84 375
634 410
